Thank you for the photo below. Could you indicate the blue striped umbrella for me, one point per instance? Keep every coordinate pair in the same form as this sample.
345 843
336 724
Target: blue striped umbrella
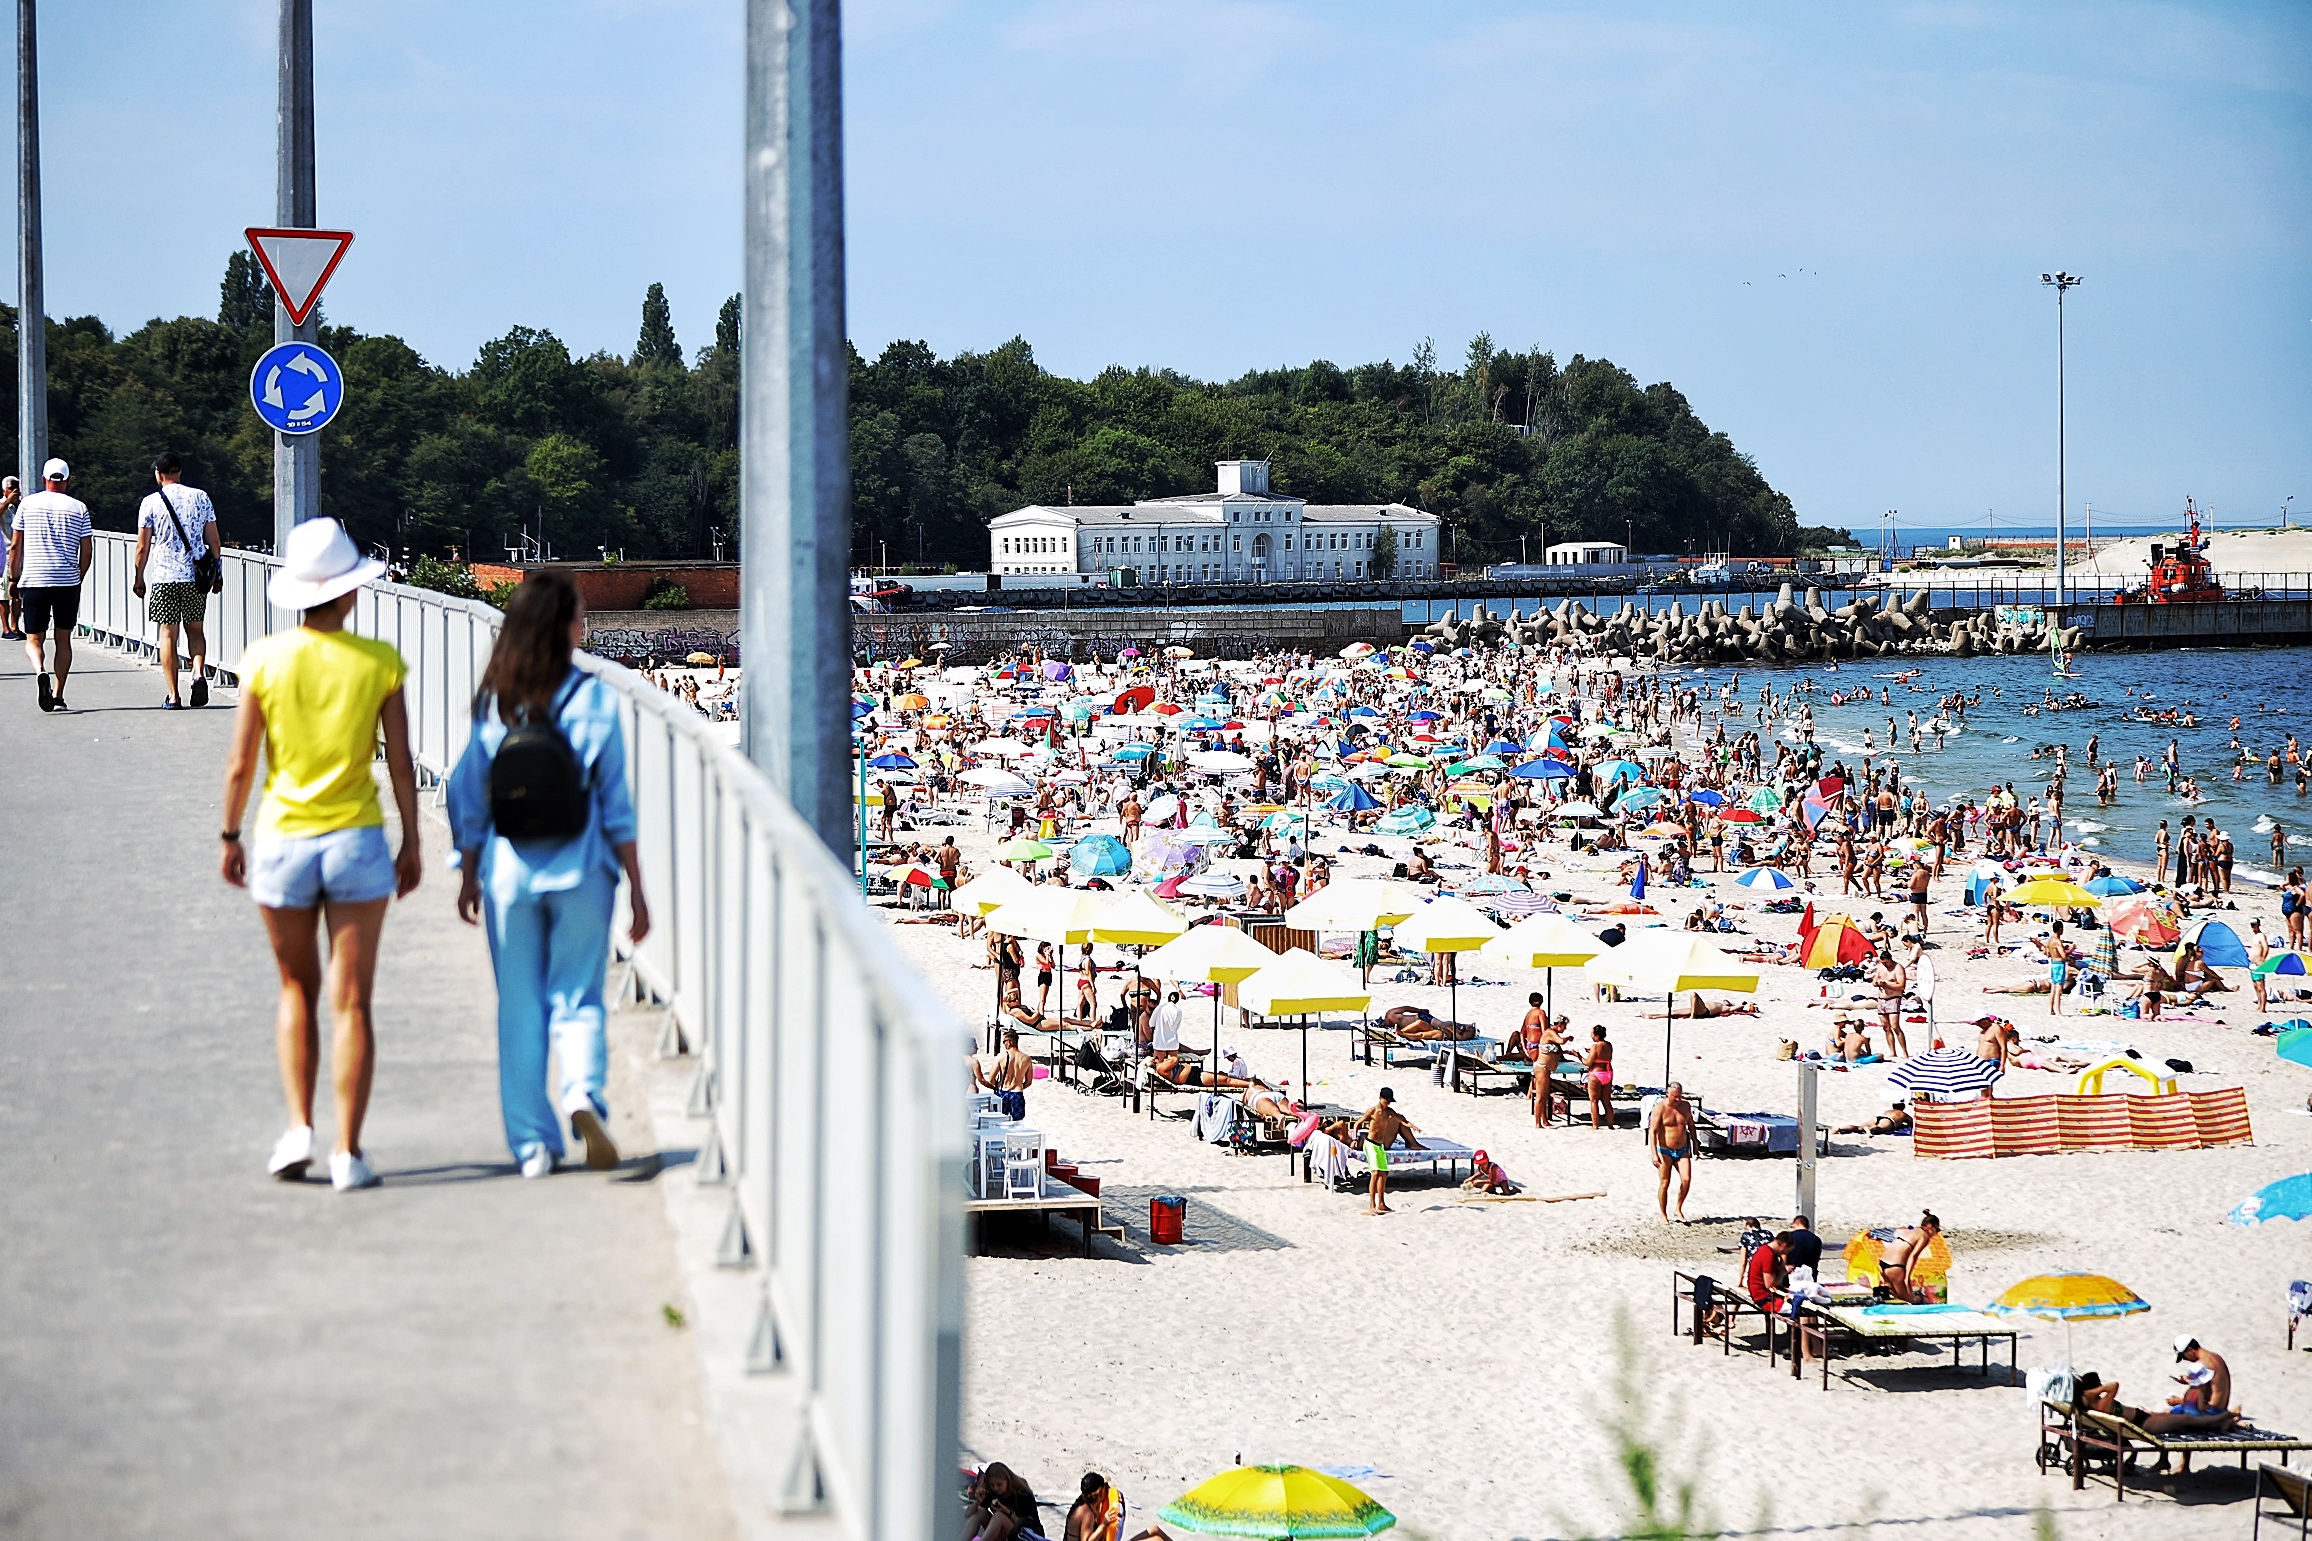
1767 878
1945 1073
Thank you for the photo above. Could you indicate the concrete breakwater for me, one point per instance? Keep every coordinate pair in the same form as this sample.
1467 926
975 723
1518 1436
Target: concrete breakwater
1785 630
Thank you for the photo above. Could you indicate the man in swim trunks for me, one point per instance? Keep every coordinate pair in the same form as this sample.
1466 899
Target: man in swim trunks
1383 1127
1670 1133
2204 1405
1014 1073
2058 956
1893 982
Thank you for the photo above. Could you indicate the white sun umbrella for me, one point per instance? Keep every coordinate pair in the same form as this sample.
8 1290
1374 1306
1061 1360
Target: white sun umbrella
1663 962
1300 984
1209 954
1547 942
1219 762
1447 925
1577 809
996 782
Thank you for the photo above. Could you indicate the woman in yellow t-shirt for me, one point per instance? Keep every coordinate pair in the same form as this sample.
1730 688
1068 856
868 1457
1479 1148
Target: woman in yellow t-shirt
315 700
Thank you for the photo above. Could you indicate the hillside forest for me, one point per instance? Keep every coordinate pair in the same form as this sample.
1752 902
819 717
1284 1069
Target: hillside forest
640 454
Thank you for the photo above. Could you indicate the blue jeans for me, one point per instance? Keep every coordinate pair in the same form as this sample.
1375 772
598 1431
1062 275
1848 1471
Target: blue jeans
551 952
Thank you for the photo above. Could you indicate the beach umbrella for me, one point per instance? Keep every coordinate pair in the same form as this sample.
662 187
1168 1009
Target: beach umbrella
913 875
1483 762
1620 770
1138 920
1212 955
1740 815
2111 886
996 782
1058 915
1285 1503
1835 941
2219 944
1099 856
1640 797
1577 809
1358 650
912 701
1945 1073
1408 820
1214 885
1137 699
1022 850
1663 963
1179 652
1300 984
1351 798
1542 770
1547 942
2144 919
1447 925
2295 1042
1764 800
991 890
892 761
2287 961
1219 762
1769 879
2068 1298
2288 1199
700 659
2056 893
1355 904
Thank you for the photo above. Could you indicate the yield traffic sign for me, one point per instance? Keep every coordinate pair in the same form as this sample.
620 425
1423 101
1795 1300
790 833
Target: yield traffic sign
296 387
299 264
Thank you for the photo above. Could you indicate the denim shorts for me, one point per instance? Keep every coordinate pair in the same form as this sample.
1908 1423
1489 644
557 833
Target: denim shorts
345 866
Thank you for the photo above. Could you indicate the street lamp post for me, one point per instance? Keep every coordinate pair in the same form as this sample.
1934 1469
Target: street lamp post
2062 283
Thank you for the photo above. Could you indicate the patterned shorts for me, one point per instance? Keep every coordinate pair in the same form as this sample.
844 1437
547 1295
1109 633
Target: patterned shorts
174 604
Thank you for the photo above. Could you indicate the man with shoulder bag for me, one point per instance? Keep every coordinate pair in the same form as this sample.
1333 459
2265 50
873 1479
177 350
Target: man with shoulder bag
176 531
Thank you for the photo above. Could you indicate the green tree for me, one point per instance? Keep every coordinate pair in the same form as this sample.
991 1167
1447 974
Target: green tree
656 346
245 304
726 327
1383 562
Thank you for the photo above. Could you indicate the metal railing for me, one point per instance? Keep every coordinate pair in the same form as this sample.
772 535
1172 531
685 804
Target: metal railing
828 1068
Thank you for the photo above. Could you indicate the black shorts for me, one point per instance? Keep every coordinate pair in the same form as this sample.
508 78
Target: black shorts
41 609
1043 976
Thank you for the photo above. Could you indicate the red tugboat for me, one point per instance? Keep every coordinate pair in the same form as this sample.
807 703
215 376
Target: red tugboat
2180 574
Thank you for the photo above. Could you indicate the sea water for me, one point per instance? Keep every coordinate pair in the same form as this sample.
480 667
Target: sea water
2268 689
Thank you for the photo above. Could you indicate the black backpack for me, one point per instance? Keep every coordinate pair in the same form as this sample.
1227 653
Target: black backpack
538 788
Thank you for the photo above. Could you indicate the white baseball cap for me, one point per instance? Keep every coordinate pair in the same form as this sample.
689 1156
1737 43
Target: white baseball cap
2185 1344
56 471
321 562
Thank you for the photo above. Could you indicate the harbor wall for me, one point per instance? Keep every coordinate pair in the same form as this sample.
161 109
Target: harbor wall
2230 623
1082 634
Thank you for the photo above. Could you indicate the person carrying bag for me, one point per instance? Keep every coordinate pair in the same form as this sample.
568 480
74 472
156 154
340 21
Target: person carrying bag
544 825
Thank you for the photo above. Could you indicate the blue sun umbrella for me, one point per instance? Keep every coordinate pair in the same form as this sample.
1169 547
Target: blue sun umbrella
1198 725
2111 884
1707 798
2295 1042
1409 820
893 761
1099 856
1641 797
1945 1073
1768 878
1503 746
2288 1199
1352 799
1543 770
2220 945
1620 770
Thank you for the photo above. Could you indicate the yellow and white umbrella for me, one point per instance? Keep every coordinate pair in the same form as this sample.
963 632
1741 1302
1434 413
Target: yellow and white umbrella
1212 955
1447 925
1355 904
1301 984
1663 962
1548 942
989 890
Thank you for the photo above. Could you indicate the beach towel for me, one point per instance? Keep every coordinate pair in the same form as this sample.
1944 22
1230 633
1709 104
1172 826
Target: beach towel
1214 1119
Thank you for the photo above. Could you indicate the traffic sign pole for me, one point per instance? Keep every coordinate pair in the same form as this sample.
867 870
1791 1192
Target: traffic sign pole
296 457
32 334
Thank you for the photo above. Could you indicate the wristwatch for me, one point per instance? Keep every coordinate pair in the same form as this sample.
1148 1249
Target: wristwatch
230 836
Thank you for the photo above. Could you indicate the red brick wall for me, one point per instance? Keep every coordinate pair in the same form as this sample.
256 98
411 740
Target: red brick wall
624 585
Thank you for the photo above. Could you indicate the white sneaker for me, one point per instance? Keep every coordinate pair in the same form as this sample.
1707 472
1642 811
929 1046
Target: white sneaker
538 1163
349 1171
292 1154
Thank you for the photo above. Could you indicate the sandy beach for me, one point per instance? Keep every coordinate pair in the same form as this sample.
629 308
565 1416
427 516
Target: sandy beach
1477 1362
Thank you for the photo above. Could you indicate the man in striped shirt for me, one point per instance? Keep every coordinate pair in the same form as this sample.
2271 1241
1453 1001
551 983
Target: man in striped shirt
48 556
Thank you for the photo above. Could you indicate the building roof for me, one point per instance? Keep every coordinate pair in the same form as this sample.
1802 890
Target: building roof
1206 508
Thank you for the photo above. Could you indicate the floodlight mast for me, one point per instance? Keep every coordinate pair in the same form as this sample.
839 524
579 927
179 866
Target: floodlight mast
2062 283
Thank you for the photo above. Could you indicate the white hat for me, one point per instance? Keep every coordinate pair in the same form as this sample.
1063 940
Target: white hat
56 471
321 563
2185 1344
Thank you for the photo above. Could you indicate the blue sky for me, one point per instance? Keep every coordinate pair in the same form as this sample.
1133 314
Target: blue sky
1824 223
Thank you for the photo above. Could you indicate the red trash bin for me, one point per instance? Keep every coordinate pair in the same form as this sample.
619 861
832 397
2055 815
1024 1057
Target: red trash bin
1167 1213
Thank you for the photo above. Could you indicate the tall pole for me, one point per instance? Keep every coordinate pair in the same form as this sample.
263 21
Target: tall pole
31 301
2062 283
296 456
794 372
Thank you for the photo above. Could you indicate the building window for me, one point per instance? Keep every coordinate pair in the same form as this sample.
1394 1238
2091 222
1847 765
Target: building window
1239 543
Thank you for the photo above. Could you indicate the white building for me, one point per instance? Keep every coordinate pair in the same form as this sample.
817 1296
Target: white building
1242 533
1587 553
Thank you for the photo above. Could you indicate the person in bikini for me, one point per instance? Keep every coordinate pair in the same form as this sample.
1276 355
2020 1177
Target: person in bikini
1670 1132
1702 1009
1546 1059
1599 1068
1415 1024
1899 1273
1893 1121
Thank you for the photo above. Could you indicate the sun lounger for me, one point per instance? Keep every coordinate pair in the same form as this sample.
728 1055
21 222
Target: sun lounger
2114 1436
2292 1489
1727 1298
1434 1152
1903 1324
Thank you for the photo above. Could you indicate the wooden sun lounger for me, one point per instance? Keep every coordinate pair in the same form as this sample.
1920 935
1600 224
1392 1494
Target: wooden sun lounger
2292 1488
1860 1323
1482 1071
1732 1303
2111 1435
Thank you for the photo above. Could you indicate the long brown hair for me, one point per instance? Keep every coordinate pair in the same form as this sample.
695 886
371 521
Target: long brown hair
532 655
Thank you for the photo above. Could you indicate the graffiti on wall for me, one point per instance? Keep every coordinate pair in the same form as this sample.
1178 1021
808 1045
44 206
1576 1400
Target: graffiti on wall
639 644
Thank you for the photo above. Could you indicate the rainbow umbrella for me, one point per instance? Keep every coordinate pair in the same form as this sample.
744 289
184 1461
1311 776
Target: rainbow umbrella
1281 1502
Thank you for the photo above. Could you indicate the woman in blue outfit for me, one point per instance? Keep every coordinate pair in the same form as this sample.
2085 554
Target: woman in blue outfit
546 903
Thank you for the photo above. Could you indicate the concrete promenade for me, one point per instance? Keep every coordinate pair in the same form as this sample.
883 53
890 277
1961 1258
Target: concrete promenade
188 1348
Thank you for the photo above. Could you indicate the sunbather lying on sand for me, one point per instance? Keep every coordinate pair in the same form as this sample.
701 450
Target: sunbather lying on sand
1417 1025
1700 1008
2020 987
1893 1121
